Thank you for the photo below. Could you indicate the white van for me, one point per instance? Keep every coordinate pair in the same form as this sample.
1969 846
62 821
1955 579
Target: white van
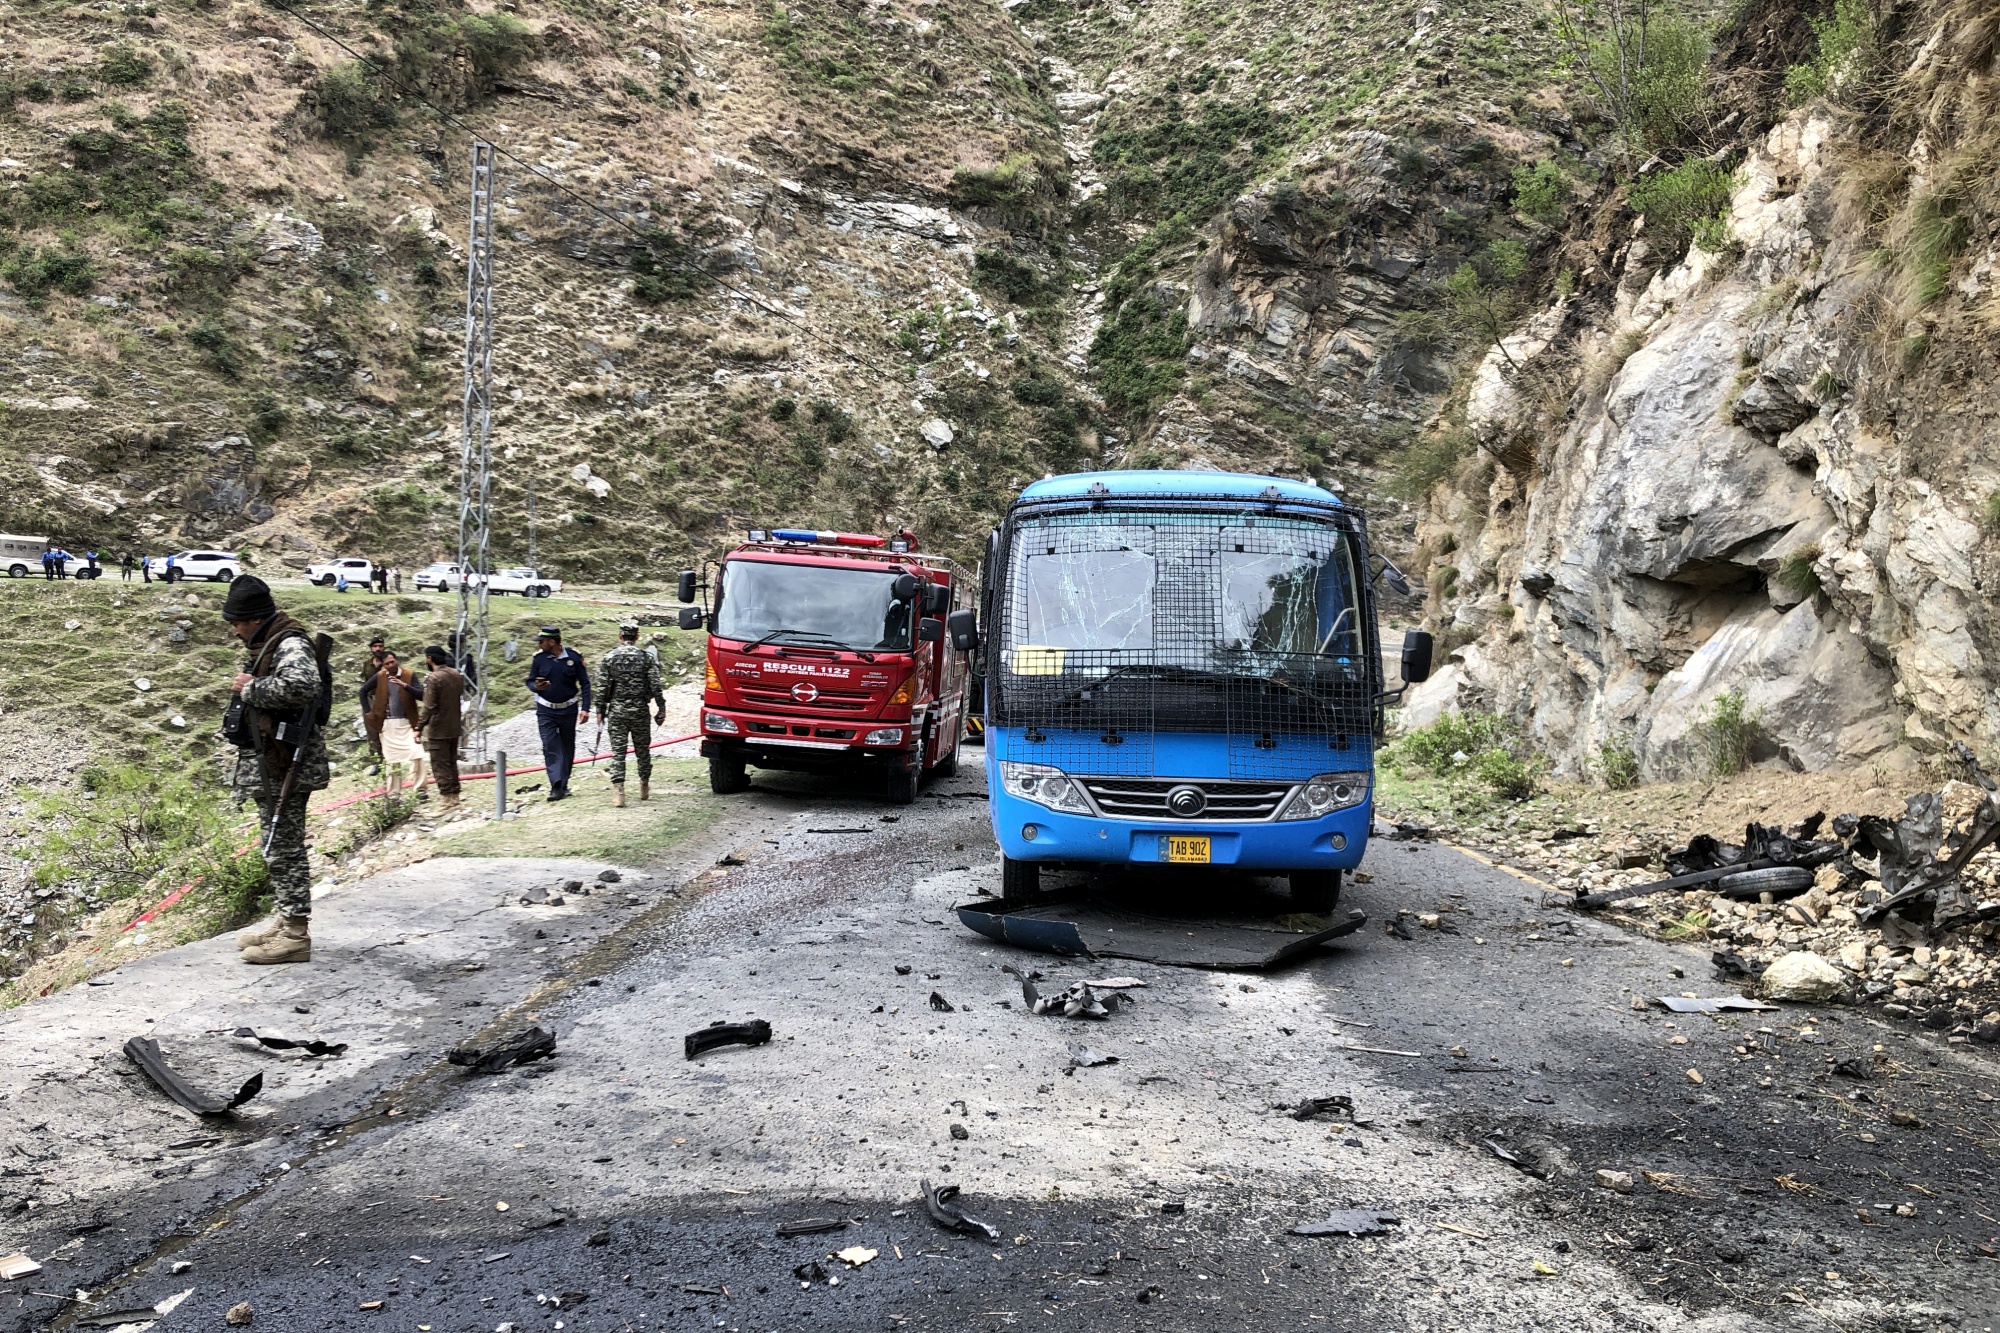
19 556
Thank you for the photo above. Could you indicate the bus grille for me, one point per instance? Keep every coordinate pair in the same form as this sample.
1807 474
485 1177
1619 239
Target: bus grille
1146 798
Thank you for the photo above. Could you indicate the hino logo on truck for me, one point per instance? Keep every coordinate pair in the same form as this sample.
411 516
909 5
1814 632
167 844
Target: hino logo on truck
805 691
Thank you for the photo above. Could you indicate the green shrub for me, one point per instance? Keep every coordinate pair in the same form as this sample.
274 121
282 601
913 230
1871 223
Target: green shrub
1427 461
998 271
1036 391
1439 746
1015 181
1991 516
1541 190
124 66
1690 201
1141 356
1729 731
1938 233
834 422
496 43
1618 764
667 271
35 272
213 339
1846 29
784 409
141 823
1506 774
351 102
1795 570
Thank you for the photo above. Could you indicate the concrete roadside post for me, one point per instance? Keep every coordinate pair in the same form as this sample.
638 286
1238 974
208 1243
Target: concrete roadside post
499 784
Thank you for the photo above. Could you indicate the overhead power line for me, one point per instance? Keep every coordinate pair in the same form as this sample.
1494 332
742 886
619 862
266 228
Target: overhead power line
382 72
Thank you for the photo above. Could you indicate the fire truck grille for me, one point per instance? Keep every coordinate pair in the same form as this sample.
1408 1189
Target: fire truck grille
826 701
1146 798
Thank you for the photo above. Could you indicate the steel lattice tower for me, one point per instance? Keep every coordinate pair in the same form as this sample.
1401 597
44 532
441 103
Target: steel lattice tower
475 456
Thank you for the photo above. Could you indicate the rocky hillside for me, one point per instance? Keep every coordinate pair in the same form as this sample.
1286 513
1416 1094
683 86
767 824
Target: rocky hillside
846 261
1744 479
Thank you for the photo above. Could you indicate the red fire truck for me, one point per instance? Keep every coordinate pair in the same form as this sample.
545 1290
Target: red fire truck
833 652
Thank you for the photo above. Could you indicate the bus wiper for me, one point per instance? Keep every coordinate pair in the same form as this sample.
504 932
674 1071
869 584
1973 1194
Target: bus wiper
827 639
1165 669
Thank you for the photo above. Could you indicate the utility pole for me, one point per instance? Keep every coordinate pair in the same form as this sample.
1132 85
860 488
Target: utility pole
475 454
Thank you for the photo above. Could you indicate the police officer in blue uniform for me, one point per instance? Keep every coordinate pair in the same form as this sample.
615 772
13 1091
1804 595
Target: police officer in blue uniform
561 687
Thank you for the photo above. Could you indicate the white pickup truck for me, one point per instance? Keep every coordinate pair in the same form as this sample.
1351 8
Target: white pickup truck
359 573
443 576
526 582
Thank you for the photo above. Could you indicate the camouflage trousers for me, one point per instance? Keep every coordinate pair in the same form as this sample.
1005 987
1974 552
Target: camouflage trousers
638 728
291 876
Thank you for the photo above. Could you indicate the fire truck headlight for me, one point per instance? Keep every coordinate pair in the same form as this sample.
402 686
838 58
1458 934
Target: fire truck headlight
884 736
719 724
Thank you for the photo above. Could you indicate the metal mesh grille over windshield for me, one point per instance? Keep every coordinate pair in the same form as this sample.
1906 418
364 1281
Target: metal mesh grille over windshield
1250 620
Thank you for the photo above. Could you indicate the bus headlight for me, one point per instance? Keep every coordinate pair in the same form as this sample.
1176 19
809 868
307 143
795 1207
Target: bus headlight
1044 786
1325 794
719 724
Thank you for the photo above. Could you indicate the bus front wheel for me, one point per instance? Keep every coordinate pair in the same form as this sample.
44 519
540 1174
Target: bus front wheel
1315 890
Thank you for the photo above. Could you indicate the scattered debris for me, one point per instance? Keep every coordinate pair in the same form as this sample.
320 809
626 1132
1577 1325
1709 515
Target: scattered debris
942 1005
754 1033
811 1226
1733 966
938 1203
1377 1050
524 1048
17 1265
1079 1000
1082 1057
1463 1231
1619 1182
855 1255
146 1053
1116 983
1804 978
144 1314
275 1043
1314 1106
1349 1222
1687 1004
1174 1207
1095 930
608 877
809 1273
238 1314
960 1132
1512 1158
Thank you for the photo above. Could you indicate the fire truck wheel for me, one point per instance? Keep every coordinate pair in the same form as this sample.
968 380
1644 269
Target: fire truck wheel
903 783
1315 890
1019 879
947 766
726 777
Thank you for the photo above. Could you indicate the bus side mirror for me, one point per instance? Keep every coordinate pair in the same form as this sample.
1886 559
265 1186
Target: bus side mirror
686 588
691 617
1417 647
964 627
904 588
937 599
930 630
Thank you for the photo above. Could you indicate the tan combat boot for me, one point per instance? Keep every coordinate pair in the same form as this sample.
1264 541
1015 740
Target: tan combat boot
645 789
618 796
264 934
291 944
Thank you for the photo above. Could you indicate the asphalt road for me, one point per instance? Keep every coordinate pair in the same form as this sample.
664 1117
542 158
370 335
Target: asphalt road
620 1186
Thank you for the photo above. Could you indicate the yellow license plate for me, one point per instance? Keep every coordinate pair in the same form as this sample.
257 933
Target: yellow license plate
1192 851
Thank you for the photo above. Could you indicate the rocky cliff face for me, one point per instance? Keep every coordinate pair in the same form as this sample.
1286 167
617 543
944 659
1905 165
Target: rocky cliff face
1772 474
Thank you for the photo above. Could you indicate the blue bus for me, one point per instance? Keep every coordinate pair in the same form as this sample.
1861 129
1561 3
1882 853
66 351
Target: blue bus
1184 668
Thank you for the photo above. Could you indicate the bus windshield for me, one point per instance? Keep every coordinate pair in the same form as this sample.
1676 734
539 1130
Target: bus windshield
1234 595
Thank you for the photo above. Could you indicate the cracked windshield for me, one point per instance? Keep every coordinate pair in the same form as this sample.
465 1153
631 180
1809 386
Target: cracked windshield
1236 598
850 608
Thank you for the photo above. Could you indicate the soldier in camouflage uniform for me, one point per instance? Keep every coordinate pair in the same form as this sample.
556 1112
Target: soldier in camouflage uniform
279 684
628 678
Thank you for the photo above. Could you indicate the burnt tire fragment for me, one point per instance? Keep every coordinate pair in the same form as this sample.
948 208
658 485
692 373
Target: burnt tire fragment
534 1044
940 1206
145 1053
754 1033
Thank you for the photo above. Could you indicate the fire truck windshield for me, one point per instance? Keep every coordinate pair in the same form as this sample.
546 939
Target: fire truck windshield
812 604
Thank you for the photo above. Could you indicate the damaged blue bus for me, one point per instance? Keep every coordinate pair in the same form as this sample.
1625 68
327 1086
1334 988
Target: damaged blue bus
1184 668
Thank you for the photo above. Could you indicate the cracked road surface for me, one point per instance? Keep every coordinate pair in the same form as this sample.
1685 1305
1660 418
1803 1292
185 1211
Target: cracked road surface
620 1186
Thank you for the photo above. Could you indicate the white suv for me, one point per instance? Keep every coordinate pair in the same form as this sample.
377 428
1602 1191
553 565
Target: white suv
328 574
215 566
526 582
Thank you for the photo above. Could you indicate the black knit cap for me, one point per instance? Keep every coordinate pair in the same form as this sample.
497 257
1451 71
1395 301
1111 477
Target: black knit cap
249 599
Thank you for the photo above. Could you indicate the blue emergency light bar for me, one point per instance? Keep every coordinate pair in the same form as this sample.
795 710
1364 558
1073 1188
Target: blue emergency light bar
823 538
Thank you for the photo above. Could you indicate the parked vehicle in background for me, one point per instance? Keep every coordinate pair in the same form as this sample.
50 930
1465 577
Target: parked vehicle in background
1184 668
332 571
526 582
828 652
21 556
444 576
214 566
